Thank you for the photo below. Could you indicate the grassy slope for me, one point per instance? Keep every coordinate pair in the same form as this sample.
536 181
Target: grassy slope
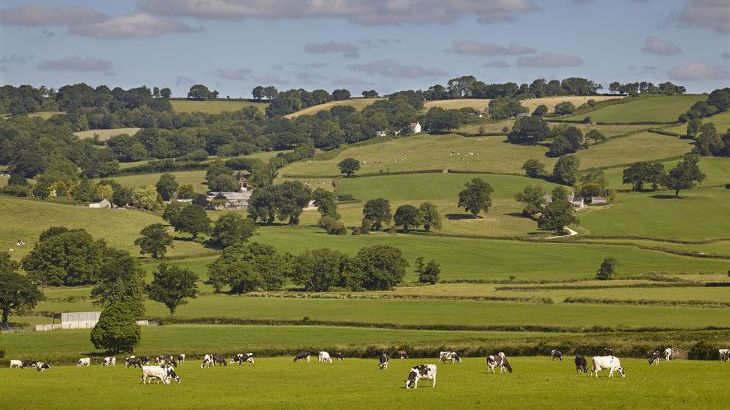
106 134
356 103
537 383
644 146
721 121
652 108
196 178
214 107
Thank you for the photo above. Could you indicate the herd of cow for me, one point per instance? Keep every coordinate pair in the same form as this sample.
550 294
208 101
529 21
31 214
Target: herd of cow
163 367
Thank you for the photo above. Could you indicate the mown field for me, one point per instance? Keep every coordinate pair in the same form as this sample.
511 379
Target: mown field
106 134
214 106
537 383
662 109
356 103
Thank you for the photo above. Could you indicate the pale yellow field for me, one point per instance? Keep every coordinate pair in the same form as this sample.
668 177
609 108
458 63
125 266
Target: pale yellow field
45 114
479 104
106 134
214 106
356 103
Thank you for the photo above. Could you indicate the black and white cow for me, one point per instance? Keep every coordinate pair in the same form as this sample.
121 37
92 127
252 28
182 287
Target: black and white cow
654 358
581 365
242 358
612 363
181 358
556 354
133 361
451 357
109 361
498 360
42 366
724 355
84 362
30 363
383 361
422 371
339 356
302 356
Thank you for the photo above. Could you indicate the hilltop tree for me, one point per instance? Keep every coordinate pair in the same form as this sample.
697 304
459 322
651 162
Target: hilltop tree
476 197
566 170
607 269
377 211
534 168
406 216
232 228
154 240
165 93
17 292
171 285
258 92
349 166
428 216
201 92
370 94
340 95
685 175
167 186
116 331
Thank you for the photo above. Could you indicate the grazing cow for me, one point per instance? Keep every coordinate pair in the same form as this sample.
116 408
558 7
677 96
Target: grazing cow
161 373
668 354
607 351
403 354
581 365
219 360
133 361
451 357
556 354
207 361
302 356
654 358
422 371
339 356
498 360
607 362
84 361
109 361
383 361
242 358
724 355
324 357
181 358
16 363
42 366
30 363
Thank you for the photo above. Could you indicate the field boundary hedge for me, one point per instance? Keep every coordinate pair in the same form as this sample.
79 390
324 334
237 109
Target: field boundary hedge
309 295
650 302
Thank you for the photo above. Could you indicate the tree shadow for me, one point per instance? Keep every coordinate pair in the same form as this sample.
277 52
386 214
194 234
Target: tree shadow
665 196
458 217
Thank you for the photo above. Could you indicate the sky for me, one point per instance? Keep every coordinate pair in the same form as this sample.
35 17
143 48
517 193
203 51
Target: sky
386 45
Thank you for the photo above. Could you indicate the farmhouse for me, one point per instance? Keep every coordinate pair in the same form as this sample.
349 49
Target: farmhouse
416 127
229 200
104 203
576 201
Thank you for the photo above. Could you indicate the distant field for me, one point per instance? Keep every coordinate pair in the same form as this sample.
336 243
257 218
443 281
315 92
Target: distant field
642 109
716 169
356 103
106 134
721 121
699 214
551 102
196 178
490 154
478 104
214 106
45 114
645 146
537 383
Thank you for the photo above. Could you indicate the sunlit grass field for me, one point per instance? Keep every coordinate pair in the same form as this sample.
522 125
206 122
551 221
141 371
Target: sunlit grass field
660 108
214 106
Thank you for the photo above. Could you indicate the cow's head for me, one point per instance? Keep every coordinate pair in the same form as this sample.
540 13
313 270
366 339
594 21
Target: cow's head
412 376
621 371
172 375
457 358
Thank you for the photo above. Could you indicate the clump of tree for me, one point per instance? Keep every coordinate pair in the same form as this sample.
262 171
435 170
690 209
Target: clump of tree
709 142
246 267
476 196
533 196
645 87
154 240
231 228
540 111
264 92
201 92
428 216
534 168
406 216
504 108
566 170
566 141
607 269
528 130
640 173
172 285
349 166
685 175
428 273
284 202
438 119
717 101
17 292
167 186
592 183
564 108
377 213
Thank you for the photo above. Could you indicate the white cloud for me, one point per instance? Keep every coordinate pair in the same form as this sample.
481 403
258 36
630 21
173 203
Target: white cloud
654 45
489 49
236 74
710 14
76 63
391 68
550 60
496 64
333 47
697 72
134 25
50 16
360 11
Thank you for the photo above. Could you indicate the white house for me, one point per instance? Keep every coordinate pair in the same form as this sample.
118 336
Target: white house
381 134
577 201
234 200
104 203
415 127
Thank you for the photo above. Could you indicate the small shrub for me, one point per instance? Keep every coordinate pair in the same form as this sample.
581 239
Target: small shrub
482 130
345 197
607 269
727 186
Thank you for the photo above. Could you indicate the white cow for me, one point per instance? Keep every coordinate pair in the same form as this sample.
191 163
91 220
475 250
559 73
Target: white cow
84 361
16 363
724 355
422 371
607 362
668 354
451 357
181 358
242 358
161 373
207 361
324 357
109 361
500 359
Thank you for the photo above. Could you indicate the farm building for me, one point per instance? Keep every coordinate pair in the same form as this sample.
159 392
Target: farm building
233 200
416 127
576 201
599 200
76 320
104 203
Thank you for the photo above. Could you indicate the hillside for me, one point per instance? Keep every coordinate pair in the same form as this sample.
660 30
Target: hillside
655 108
214 106
356 103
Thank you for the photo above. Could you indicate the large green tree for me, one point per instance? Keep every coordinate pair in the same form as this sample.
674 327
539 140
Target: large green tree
193 220
117 330
406 216
377 211
245 267
381 267
685 175
172 285
64 257
154 240
319 270
566 170
428 216
120 280
557 215
349 166
232 228
167 186
640 173
533 196
17 292
476 197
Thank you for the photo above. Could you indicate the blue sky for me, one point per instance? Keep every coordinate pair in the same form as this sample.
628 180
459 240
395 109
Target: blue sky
387 45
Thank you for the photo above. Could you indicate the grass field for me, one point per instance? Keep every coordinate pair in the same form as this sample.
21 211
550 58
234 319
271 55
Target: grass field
215 106
479 104
721 121
551 102
357 103
642 109
645 146
106 134
196 178
537 383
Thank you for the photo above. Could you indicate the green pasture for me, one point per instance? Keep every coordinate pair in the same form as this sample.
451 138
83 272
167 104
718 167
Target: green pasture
213 106
721 121
537 383
645 146
698 214
195 178
357 103
660 108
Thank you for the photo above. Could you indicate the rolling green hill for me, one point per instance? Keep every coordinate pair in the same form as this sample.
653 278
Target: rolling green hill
660 108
